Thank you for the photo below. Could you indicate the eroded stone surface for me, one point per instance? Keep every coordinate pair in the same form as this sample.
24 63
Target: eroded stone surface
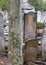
15 42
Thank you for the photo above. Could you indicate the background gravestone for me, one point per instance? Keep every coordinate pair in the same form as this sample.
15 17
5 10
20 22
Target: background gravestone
31 50
1 29
30 26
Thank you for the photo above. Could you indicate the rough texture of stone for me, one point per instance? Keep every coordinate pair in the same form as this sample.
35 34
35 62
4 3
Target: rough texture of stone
15 42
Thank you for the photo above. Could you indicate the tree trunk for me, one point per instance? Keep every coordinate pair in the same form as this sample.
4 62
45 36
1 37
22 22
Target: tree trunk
15 48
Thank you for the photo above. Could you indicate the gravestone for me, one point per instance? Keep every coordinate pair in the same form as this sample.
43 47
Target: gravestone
30 26
31 50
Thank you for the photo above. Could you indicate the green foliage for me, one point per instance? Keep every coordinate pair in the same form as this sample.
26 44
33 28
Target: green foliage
38 4
39 23
44 6
3 3
33 2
